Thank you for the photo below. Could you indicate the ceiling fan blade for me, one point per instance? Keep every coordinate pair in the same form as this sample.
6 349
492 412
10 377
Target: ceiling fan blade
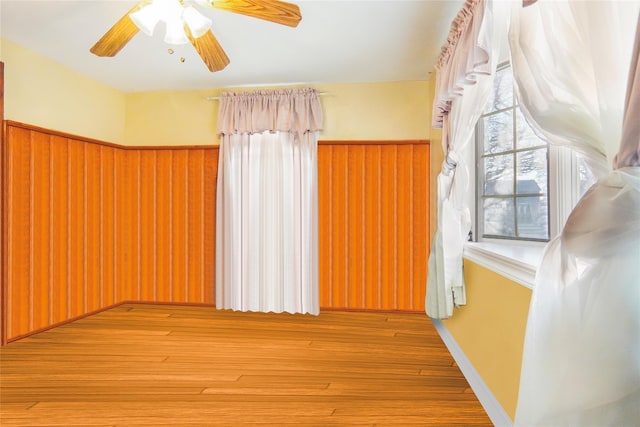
209 50
118 35
276 11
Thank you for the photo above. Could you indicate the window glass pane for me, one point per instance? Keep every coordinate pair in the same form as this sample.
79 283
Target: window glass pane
512 169
525 136
587 179
532 217
498 132
502 94
499 218
532 171
498 175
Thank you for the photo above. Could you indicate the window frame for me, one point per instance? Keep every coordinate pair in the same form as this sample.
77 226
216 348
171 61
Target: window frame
479 156
518 260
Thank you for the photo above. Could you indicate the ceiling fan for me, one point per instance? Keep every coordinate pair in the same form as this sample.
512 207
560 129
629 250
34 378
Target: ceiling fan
185 24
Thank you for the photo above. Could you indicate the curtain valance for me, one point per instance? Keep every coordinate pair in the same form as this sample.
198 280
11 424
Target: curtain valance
286 110
465 55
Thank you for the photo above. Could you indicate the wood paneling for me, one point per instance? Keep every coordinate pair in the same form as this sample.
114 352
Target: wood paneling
163 226
90 225
374 214
60 227
148 235
92 228
324 223
40 218
3 213
19 284
108 221
179 229
76 215
210 180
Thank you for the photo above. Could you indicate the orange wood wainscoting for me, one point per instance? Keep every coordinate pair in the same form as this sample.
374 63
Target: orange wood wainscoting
89 225
374 224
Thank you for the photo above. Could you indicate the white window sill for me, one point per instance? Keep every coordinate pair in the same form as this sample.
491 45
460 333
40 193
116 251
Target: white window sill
511 260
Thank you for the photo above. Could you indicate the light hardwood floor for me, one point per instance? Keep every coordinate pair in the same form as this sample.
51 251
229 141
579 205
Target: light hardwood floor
161 365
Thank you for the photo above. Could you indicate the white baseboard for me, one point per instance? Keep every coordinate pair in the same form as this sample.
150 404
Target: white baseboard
496 413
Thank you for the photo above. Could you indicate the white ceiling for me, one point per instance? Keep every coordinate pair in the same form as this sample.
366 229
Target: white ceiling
336 42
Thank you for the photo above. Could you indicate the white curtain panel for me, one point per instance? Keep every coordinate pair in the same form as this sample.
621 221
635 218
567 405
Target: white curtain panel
267 211
570 62
581 361
464 81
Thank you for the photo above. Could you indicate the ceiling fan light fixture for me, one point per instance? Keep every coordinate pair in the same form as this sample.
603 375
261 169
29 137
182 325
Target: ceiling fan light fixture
146 18
184 24
175 16
198 23
175 32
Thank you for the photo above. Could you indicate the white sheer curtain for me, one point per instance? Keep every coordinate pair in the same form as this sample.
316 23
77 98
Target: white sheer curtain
581 362
464 81
267 211
569 59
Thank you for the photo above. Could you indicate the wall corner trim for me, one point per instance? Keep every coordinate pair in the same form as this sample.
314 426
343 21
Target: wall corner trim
496 413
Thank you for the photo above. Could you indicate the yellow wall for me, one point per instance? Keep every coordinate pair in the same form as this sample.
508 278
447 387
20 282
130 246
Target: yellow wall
490 330
396 110
41 92
171 118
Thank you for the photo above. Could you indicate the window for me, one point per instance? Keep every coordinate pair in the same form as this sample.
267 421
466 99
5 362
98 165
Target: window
513 200
525 189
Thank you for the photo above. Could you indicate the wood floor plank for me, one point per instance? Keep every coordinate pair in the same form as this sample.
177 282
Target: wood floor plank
163 365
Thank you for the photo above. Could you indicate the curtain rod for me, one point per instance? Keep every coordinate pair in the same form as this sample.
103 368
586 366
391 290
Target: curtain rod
215 98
